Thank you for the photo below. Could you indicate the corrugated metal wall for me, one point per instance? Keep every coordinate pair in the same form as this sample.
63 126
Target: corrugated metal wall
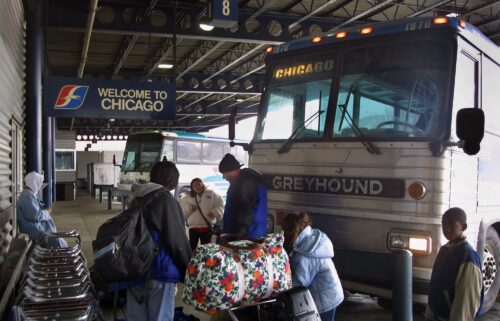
65 139
12 38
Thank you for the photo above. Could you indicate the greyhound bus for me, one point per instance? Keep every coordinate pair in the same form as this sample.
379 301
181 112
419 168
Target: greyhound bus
374 131
195 155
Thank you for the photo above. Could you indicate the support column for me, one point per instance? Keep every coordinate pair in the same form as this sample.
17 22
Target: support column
34 59
48 160
54 126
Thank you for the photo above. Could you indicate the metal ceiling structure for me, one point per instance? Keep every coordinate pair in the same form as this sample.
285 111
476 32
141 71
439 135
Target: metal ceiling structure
215 72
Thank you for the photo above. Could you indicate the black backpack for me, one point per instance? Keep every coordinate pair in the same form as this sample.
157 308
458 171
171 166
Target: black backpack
124 249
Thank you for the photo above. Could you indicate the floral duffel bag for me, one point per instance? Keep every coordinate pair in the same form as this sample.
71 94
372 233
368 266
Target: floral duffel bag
222 275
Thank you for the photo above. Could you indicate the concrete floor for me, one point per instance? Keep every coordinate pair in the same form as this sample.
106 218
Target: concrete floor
87 214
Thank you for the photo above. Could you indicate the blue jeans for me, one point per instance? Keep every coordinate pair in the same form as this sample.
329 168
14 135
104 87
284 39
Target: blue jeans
161 302
328 315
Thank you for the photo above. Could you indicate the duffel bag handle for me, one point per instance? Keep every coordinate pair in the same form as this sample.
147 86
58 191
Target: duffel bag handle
223 240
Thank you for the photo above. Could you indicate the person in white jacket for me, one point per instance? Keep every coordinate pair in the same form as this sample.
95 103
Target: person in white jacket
212 208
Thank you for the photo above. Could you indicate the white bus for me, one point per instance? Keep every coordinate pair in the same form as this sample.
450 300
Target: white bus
359 128
195 155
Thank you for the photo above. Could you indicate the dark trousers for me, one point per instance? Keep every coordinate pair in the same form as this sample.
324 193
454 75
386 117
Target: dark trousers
328 315
194 236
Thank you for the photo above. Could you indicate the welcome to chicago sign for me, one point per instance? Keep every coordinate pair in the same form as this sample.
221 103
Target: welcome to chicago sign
92 98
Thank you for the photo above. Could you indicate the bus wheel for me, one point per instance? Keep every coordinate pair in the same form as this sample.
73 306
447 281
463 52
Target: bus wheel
491 261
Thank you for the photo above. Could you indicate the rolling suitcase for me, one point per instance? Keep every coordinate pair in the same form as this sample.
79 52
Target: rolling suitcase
296 304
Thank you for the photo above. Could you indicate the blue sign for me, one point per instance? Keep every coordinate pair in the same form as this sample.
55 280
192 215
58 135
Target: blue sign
223 13
92 98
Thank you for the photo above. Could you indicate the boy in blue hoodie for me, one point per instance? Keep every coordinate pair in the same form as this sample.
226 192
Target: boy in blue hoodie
456 289
311 253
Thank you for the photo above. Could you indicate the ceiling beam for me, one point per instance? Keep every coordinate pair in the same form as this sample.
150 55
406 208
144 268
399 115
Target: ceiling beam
130 41
479 8
69 18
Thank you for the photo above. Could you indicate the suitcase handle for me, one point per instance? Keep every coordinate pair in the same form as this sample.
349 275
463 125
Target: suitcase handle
223 240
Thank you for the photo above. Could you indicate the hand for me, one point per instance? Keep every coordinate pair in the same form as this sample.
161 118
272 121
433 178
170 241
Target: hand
193 208
49 210
211 215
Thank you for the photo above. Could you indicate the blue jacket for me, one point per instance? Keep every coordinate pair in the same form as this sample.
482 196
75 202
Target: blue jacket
245 212
312 267
34 221
166 225
456 289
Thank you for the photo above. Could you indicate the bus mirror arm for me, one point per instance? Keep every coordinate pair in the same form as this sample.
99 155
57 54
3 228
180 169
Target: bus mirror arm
248 147
437 147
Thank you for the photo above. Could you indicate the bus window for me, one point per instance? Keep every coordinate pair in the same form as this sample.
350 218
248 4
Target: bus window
278 121
297 99
393 91
491 95
142 152
212 152
188 152
168 150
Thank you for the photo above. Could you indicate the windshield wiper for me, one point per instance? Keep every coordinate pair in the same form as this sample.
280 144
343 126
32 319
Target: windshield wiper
288 143
372 149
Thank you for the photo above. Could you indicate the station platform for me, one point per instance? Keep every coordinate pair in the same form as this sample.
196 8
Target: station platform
86 214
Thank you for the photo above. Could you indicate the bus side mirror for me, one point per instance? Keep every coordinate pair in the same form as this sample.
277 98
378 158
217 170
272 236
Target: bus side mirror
232 125
470 129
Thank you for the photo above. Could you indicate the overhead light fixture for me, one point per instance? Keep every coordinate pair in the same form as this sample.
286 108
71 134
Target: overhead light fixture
165 66
205 24
239 100
111 119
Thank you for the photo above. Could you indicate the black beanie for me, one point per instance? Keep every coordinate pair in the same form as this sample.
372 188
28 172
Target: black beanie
229 163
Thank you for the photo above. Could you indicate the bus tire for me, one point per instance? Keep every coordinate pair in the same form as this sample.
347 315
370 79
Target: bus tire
491 261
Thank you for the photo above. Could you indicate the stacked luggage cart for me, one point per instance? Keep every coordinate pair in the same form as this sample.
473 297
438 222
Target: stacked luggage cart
56 285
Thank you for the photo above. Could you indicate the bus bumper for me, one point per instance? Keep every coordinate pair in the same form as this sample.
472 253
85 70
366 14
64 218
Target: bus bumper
371 273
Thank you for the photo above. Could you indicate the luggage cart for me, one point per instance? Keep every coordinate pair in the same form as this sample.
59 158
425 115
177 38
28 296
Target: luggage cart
295 304
56 284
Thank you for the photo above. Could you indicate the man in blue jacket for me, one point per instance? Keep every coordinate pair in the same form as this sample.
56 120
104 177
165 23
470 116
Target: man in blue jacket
245 212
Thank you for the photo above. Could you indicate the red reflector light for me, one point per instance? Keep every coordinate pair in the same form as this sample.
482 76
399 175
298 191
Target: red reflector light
440 20
462 24
317 39
342 34
417 190
269 49
366 30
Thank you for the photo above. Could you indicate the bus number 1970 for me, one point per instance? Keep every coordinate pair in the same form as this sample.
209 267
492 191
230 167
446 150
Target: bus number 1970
417 25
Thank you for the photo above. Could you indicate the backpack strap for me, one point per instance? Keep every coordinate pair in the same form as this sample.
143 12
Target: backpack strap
203 215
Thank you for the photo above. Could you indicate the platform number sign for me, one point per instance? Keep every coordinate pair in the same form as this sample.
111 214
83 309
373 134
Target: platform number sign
226 8
223 13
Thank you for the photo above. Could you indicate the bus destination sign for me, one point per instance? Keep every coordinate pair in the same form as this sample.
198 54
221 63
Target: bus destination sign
359 186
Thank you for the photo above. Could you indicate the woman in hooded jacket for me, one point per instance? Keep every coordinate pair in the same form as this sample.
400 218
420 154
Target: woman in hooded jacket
311 253
33 219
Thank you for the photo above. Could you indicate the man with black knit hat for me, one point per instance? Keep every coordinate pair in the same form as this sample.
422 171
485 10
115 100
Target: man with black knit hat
245 212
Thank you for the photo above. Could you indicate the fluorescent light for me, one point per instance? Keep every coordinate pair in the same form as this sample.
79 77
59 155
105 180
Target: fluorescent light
206 27
239 100
165 66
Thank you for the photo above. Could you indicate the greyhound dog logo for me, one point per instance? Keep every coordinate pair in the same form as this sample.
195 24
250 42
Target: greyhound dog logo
71 97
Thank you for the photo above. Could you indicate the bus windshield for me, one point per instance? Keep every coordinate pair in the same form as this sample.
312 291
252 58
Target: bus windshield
142 152
386 92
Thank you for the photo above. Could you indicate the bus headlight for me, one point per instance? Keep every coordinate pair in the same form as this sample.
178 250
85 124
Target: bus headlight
417 243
